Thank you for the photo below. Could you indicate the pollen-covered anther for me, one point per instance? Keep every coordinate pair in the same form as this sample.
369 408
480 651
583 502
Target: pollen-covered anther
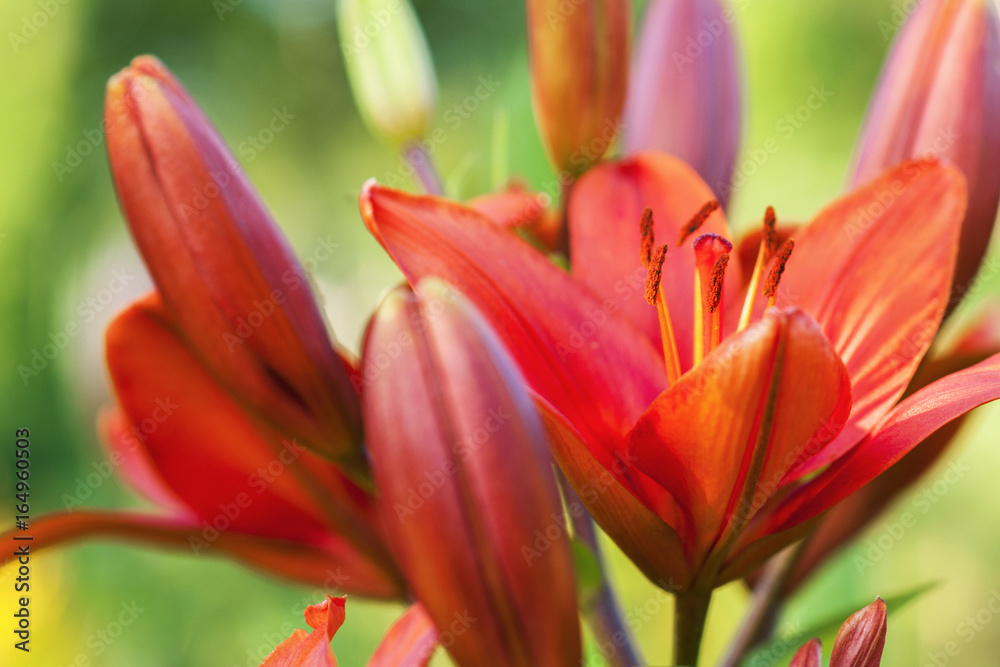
697 221
768 241
646 236
718 278
769 238
655 266
777 269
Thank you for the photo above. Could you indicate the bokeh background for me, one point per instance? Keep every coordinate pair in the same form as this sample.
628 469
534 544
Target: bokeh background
62 240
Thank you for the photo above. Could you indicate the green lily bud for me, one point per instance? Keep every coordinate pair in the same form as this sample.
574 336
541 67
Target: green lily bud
389 66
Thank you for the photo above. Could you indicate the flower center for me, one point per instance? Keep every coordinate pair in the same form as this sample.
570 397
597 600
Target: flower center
711 253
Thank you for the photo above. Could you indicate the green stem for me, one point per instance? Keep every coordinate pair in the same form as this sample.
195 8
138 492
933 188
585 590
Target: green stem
690 612
767 598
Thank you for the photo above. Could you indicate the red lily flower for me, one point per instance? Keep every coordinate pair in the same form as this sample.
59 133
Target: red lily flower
859 642
410 642
452 432
227 367
939 95
701 471
684 93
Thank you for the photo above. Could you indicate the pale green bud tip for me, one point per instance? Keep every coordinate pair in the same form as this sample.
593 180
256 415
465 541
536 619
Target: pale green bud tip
389 66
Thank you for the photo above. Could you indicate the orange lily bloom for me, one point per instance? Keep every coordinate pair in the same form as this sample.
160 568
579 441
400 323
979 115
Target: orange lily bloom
859 642
236 414
705 449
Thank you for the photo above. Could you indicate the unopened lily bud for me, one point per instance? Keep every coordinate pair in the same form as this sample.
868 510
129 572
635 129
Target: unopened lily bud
684 93
939 95
461 462
579 75
389 66
225 272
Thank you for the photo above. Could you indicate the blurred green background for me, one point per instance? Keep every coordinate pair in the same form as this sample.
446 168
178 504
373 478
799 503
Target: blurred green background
62 237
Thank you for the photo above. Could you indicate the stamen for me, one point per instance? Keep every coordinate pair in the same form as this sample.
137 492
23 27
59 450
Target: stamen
646 232
768 240
774 277
697 221
711 254
715 288
655 267
655 297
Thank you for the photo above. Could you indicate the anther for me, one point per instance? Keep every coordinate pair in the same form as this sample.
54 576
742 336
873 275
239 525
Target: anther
646 233
768 241
774 277
655 266
697 221
655 297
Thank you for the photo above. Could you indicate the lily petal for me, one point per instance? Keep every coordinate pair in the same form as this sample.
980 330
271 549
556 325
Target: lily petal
861 638
906 426
410 642
328 562
645 535
810 655
251 477
605 207
760 401
853 514
573 349
124 443
877 285
313 649
471 434
224 269
688 107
